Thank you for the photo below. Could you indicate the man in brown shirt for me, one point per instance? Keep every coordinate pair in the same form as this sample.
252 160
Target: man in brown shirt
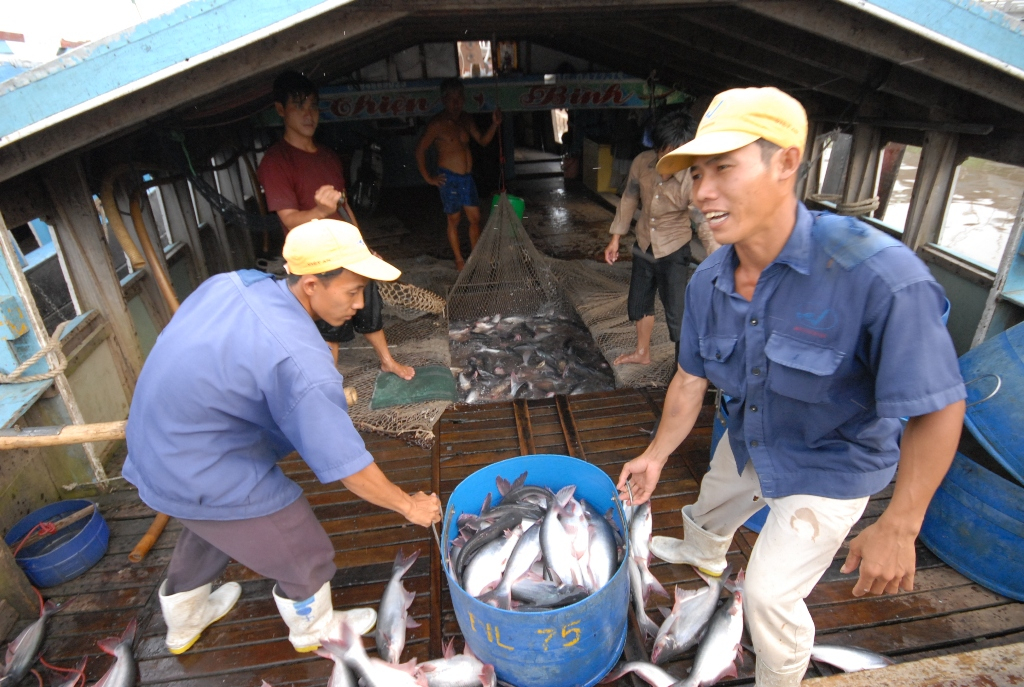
661 254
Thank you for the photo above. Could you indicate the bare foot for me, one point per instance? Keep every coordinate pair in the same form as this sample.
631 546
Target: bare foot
395 367
459 264
636 357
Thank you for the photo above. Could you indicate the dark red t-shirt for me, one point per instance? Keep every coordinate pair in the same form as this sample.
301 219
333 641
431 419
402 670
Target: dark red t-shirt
290 177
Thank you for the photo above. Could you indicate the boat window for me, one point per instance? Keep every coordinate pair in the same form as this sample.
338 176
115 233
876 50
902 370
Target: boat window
37 251
981 210
894 212
475 59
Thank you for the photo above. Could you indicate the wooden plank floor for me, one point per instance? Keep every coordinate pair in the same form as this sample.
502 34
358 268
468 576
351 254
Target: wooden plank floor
945 614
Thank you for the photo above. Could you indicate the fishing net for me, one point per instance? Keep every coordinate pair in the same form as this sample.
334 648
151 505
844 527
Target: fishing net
417 334
599 292
505 272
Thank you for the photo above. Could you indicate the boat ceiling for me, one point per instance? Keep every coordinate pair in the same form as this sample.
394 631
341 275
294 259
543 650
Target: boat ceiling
845 64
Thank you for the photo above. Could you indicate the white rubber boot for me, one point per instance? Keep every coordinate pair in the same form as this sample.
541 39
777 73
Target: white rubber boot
766 677
314 619
187 614
698 548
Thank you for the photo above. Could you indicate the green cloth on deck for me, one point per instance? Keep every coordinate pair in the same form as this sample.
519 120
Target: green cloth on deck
431 383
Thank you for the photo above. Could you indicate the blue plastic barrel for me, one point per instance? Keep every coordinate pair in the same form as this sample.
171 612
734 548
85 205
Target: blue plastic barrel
567 647
66 554
975 524
755 522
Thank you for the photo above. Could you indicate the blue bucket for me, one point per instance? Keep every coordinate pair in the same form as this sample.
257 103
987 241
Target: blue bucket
755 522
975 524
567 647
68 553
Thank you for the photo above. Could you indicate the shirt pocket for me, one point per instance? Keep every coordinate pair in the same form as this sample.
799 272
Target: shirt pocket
801 369
716 352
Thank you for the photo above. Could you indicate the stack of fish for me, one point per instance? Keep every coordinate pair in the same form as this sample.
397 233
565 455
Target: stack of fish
498 358
535 550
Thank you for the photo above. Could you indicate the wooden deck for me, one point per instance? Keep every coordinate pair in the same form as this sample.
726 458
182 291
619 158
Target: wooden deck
945 614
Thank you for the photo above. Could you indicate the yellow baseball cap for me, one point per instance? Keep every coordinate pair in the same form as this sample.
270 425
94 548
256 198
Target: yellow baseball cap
738 117
322 245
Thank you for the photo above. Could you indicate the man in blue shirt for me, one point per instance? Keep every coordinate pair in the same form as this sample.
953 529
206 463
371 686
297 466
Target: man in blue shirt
824 332
237 380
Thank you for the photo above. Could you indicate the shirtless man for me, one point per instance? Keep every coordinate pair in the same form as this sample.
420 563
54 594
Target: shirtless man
450 130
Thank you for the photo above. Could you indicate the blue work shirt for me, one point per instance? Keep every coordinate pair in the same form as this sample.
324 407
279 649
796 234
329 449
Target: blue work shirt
238 379
842 338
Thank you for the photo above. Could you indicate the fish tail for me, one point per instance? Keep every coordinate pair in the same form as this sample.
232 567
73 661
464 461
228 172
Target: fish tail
403 562
498 598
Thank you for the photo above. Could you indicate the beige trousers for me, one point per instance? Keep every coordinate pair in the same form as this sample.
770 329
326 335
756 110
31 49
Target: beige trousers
794 549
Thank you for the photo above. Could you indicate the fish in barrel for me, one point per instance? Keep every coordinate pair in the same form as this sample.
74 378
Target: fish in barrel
534 549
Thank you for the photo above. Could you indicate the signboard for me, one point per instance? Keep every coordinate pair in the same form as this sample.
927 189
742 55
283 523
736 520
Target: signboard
423 98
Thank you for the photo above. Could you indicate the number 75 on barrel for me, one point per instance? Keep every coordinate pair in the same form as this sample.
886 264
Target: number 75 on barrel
570 634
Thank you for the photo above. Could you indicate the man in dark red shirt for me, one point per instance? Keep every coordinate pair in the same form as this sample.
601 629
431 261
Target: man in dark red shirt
303 181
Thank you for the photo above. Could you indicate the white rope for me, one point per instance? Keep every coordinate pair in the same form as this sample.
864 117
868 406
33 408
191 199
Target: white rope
15 377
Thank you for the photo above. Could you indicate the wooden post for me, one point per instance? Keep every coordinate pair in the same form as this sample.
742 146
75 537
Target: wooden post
932 186
1013 247
862 167
191 224
90 267
15 588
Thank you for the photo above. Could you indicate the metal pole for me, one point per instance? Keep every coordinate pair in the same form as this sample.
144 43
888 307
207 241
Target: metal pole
55 358
1009 254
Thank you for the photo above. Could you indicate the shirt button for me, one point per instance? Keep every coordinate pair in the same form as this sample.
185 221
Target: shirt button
753 409
753 321
754 443
718 356
756 372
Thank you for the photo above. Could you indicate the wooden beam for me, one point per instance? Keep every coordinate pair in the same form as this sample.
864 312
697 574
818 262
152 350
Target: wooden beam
90 267
569 430
265 58
932 187
856 29
435 555
183 202
523 427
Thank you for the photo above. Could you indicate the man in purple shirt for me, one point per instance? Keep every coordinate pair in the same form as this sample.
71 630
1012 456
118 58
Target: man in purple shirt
824 332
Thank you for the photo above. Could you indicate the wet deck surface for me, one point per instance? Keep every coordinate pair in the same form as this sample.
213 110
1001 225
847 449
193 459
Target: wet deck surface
945 614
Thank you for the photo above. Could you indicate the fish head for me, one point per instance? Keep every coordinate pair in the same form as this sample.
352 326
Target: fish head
665 643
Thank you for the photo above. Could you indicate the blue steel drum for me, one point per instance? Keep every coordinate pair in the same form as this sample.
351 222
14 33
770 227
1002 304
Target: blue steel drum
756 521
68 553
567 647
994 373
975 524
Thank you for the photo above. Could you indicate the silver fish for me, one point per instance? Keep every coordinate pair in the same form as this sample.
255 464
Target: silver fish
557 543
636 585
651 674
458 670
849 659
393 616
77 673
342 675
604 557
525 554
640 528
545 593
373 673
690 614
124 670
485 569
23 651
717 652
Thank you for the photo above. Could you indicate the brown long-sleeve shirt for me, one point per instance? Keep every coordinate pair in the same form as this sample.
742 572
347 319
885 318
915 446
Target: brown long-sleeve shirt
666 213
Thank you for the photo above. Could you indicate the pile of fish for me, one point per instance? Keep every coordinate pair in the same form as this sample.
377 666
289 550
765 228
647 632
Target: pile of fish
498 358
353 667
700 618
23 652
534 550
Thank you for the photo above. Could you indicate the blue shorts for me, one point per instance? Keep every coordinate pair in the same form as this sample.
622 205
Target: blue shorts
457 191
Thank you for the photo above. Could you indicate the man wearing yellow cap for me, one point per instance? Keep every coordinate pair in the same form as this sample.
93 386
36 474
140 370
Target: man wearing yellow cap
237 380
824 332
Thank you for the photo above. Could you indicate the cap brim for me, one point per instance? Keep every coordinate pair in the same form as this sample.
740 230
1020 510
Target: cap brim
374 268
714 143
